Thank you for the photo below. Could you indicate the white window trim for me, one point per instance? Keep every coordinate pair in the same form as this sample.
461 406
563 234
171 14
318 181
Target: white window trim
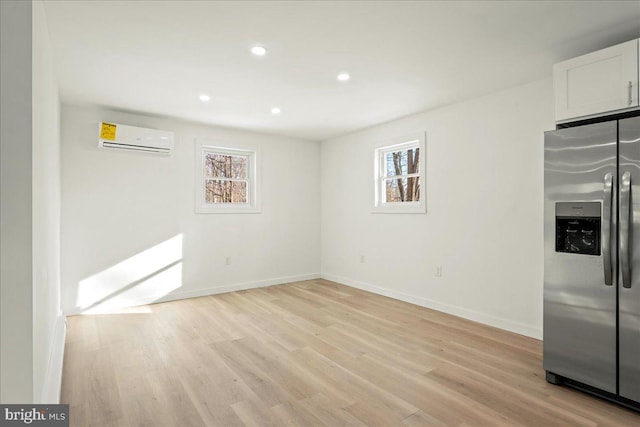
253 177
395 144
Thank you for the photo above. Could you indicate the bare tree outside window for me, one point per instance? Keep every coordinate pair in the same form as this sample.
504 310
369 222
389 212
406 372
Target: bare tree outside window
402 180
225 178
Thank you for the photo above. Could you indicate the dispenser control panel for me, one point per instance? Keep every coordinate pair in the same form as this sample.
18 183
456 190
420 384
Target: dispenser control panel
578 227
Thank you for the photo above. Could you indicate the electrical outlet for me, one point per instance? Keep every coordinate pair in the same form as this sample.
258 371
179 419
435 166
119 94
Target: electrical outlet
439 271
227 261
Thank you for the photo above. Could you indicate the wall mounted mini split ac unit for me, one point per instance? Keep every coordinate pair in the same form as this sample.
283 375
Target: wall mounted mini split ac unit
125 137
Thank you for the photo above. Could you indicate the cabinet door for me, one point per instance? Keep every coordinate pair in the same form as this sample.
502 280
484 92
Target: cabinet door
598 82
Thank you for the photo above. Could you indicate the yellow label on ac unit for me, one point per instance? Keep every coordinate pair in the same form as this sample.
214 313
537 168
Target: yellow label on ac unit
108 131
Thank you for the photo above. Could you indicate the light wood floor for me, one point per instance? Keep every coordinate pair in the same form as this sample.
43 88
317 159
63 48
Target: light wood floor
311 353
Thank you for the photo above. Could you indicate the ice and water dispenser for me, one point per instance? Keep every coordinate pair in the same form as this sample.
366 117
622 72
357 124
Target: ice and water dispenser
578 227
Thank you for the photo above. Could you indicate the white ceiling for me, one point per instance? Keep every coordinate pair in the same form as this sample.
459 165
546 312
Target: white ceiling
404 57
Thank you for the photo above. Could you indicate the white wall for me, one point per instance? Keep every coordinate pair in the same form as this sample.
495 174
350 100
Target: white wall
119 204
484 183
16 326
32 328
48 323
484 211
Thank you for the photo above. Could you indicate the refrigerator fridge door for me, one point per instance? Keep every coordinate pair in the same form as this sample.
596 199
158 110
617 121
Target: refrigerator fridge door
629 254
580 254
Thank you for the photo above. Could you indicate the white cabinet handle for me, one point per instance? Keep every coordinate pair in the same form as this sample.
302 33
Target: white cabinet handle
630 95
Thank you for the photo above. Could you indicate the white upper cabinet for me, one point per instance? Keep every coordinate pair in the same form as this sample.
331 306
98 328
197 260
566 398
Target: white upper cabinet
596 83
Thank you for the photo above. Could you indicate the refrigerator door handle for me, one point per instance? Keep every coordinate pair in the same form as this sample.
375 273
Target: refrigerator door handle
606 229
625 206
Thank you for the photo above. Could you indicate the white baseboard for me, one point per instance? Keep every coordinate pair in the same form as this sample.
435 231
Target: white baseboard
53 378
476 316
465 313
236 287
173 296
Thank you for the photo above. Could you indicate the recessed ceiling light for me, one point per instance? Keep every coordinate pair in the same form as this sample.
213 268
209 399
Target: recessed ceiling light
204 97
343 77
276 110
259 51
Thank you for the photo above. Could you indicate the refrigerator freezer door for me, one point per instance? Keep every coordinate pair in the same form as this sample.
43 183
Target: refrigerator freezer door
629 294
579 307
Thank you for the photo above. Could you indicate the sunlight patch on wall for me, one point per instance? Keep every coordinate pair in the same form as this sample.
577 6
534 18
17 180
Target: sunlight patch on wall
140 279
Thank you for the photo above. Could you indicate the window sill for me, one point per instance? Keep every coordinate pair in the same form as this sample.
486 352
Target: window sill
228 210
400 209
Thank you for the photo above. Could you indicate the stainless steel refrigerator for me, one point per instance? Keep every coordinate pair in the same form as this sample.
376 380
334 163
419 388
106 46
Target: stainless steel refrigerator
592 258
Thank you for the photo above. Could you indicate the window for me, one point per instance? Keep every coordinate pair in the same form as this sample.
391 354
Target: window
226 179
400 176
